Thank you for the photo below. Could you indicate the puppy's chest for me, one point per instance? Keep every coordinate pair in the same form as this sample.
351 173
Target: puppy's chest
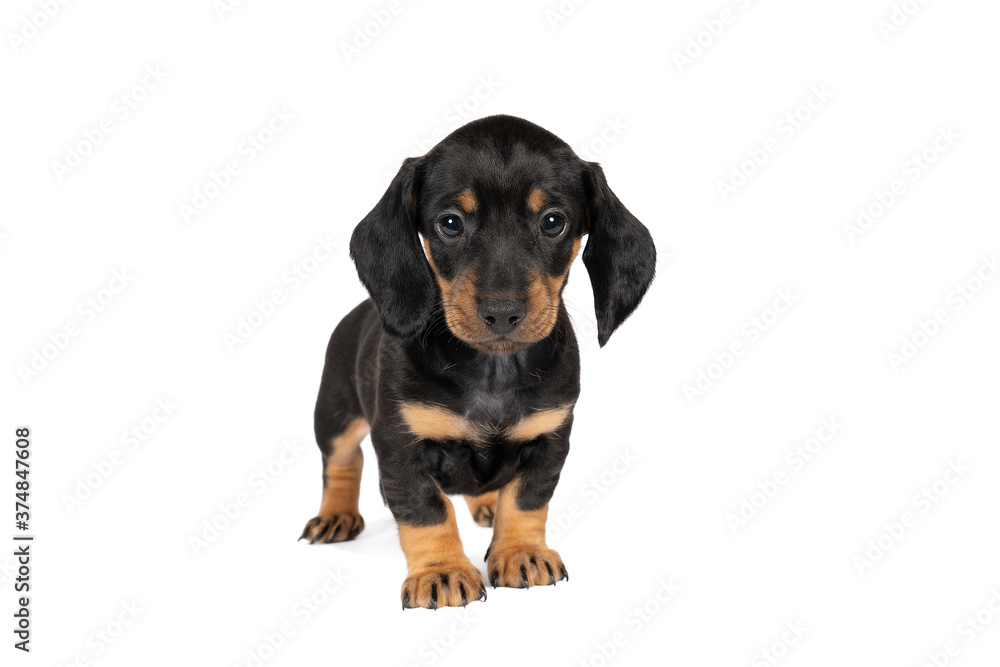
493 401
482 420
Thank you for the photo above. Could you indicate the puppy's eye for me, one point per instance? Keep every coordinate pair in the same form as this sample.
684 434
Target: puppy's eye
553 224
451 225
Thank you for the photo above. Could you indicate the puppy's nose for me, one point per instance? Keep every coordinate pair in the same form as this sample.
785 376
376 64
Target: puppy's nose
502 315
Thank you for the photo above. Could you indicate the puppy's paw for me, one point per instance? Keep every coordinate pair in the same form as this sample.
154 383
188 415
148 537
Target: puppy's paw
483 508
483 515
521 566
336 528
444 585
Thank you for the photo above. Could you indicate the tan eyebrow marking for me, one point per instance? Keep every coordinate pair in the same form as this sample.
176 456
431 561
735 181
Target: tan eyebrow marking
536 200
467 201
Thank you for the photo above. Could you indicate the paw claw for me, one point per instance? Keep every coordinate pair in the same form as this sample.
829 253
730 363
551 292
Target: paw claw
441 585
523 566
324 529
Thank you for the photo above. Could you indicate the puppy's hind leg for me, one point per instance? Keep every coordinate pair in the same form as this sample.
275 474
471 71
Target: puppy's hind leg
339 519
340 426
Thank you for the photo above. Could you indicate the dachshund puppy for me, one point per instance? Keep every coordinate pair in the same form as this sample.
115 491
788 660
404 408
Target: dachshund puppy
463 365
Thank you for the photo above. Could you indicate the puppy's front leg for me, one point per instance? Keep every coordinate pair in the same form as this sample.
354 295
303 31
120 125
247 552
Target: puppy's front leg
518 555
439 574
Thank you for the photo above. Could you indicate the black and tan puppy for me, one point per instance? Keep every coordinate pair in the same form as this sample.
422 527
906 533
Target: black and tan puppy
463 365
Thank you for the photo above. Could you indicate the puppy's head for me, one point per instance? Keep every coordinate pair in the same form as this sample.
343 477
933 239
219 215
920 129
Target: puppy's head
489 222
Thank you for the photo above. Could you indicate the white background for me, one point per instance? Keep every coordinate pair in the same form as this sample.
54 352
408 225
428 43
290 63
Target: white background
607 77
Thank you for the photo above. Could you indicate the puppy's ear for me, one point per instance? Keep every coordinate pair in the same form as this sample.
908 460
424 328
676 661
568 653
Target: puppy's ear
390 262
620 256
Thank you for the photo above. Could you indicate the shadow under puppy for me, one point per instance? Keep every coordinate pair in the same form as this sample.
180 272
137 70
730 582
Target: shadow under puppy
463 365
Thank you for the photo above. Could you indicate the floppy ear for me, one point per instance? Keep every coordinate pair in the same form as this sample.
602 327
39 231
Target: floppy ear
620 256
390 262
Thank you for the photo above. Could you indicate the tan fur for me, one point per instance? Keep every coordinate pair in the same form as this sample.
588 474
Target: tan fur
556 282
514 526
536 200
543 299
461 307
467 201
540 423
459 299
342 474
483 508
432 422
518 555
437 565
345 446
339 517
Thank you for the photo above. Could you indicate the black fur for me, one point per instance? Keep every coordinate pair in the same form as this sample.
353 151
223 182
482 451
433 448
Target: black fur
620 255
389 258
